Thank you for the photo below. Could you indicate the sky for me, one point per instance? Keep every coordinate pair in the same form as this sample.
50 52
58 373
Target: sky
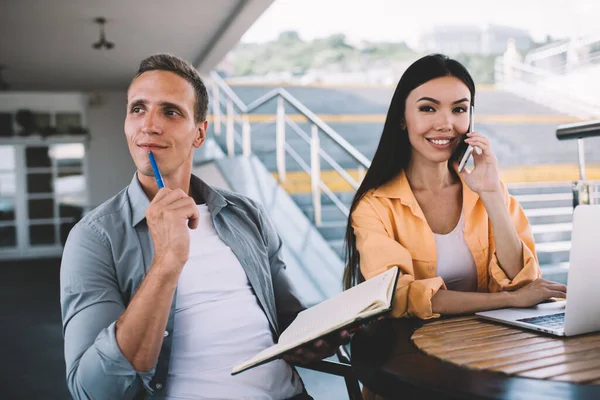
401 20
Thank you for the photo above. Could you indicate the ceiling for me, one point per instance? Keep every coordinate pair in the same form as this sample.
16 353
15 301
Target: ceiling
47 44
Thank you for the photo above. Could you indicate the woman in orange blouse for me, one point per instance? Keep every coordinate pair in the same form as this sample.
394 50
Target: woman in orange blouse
462 243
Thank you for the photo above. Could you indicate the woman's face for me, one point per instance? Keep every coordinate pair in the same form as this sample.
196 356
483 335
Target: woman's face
437 115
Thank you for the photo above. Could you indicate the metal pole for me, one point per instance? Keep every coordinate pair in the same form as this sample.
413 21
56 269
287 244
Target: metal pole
280 139
229 133
246 137
581 158
315 174
216 109
361 173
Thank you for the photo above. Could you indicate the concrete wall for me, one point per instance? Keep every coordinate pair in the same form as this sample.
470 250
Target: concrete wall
110 166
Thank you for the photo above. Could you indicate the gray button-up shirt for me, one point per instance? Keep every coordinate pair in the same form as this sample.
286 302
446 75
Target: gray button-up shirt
104 262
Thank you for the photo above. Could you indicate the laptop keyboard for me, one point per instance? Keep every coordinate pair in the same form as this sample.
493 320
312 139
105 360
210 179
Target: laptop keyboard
548 321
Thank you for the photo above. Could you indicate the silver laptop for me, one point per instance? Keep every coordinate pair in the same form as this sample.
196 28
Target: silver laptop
581 313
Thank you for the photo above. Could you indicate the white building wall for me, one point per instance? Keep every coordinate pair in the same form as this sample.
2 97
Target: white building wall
109 163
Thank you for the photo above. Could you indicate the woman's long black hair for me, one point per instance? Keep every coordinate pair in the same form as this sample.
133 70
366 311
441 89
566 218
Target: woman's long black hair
394 149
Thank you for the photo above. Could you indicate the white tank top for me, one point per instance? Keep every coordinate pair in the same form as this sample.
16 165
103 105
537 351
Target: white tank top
218 324
455 263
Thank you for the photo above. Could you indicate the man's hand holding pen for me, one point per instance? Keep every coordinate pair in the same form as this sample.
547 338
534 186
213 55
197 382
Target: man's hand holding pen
168 216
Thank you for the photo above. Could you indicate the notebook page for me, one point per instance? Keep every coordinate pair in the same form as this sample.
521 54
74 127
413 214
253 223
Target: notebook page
330 315
266 354
340 309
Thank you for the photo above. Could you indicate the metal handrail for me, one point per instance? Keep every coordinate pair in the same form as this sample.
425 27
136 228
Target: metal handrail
578 107
262 100
228 91
336 137
302 109
558 48
334 164
237 111
583 191
579 131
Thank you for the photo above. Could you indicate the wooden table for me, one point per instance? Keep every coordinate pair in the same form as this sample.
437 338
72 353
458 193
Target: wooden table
478 344
469 358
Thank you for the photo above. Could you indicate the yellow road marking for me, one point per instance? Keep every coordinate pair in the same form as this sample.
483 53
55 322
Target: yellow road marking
233 84
299 182
380 118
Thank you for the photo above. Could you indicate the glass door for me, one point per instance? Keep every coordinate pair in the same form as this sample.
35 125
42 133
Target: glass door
8 201
43 193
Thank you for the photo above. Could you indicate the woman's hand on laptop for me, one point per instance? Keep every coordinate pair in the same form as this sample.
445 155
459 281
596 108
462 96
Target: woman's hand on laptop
537 292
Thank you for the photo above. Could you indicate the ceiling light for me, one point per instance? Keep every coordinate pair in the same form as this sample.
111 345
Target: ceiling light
102 42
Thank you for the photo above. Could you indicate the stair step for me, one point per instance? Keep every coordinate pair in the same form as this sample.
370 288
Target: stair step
551 211
546 228
545 200
329 212
523 198
551 215
338 246
553 252
552 232
539 188
305 199
554 246
333 231
333 224
556 272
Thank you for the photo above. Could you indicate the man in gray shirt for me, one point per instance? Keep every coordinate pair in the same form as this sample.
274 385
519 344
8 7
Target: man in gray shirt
163 290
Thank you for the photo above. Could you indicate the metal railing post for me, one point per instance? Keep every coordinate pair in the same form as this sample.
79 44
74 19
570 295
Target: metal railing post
362 171
581 193
315 173
581 158
229 132
246 136
280 139
216 108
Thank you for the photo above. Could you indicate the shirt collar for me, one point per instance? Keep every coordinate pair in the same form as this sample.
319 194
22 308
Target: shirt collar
399 188
139 202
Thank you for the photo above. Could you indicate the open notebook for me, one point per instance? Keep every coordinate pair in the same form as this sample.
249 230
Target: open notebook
354 306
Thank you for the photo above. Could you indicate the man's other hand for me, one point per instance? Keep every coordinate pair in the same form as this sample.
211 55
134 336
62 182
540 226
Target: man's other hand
318 350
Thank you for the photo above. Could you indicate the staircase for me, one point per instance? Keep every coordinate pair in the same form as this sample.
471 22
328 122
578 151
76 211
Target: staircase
516 127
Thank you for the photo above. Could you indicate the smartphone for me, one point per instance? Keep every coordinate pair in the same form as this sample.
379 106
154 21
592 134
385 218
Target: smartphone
469 150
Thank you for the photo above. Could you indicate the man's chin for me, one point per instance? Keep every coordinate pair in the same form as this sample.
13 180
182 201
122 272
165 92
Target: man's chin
146 171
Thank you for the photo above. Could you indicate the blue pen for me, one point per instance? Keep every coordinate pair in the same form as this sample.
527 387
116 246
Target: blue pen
157 175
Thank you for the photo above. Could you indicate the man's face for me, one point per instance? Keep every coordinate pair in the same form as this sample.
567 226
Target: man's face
160 118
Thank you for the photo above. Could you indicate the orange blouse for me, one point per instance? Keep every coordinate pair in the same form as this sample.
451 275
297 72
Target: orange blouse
391 230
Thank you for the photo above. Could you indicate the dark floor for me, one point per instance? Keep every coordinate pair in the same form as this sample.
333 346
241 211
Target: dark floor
31 344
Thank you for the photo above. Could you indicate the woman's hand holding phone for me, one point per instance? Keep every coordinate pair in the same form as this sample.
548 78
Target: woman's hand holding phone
484 177
469 150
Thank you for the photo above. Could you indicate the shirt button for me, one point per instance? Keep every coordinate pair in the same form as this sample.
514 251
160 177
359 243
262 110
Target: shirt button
158 386
166 334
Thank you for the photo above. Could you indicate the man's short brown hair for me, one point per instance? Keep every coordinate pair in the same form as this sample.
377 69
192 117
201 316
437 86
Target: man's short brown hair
167 62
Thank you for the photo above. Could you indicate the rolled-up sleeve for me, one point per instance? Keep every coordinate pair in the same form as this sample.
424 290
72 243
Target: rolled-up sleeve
379 252
499 281
91 303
